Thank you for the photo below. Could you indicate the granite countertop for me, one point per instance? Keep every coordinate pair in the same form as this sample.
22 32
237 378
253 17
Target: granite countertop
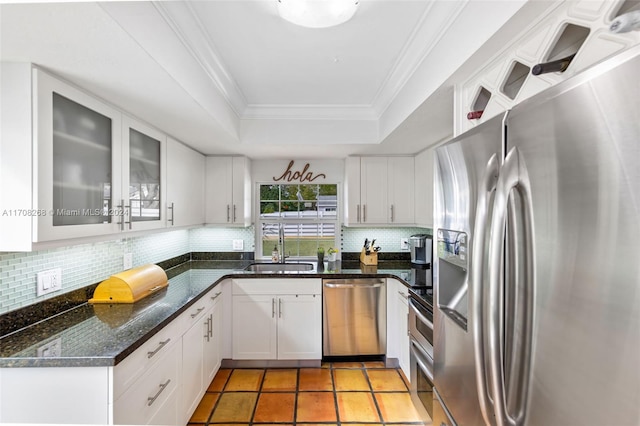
92 335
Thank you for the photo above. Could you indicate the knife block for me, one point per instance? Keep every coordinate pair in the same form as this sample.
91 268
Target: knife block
369 259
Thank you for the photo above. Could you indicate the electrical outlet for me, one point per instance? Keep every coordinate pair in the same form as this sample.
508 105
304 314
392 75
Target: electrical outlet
49 281
404 244
51 349
127 261
238 244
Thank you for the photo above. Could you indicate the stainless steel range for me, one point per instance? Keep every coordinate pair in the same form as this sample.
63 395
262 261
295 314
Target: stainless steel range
421 350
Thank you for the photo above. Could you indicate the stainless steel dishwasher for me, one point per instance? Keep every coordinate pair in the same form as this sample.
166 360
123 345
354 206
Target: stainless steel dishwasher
354 317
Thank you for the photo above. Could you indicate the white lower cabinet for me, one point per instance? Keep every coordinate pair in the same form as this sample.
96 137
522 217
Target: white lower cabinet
277 319
402 313
153 398
254 327
398 324
163 381
200 357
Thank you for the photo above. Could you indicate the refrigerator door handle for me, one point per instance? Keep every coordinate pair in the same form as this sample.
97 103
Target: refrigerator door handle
487 187
513 176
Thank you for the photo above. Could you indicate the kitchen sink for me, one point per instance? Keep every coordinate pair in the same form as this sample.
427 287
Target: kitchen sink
279 267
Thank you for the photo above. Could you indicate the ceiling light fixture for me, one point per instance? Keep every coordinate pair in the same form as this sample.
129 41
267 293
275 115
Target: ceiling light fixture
317 13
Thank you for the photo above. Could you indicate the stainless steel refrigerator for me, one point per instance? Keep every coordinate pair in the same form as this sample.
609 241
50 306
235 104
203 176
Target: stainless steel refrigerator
537 271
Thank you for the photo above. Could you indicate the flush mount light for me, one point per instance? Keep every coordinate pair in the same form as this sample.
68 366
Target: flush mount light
317 13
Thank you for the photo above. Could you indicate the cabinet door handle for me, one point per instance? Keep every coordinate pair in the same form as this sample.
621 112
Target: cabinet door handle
173 213
408 330
163 386
279 308
403 295
130 218
216 295
234 213
273 308
160 346
209 324
358 213
197 312
228 213
392 220
121 207
364 212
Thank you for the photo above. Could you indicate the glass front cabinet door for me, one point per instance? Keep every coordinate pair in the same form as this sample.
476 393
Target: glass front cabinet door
98 171
143 167
78 167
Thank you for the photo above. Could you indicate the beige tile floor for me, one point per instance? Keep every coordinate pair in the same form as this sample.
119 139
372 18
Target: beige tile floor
350 393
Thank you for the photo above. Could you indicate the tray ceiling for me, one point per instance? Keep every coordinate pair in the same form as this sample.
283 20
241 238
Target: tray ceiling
232 77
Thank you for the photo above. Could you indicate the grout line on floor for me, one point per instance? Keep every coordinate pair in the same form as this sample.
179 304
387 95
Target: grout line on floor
295 422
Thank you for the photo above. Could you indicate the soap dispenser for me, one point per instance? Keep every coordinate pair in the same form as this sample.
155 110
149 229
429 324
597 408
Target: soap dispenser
275 257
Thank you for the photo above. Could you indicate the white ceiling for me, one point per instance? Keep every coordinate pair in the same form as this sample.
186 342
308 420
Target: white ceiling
231 77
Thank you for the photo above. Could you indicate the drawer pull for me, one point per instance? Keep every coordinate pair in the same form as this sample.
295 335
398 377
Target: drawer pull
160 346
162 388
216 296
402 294
197 312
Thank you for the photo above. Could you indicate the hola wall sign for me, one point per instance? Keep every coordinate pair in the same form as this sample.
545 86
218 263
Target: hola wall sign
304 175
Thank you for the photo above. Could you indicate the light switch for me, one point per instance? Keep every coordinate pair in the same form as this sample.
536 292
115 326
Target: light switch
49 281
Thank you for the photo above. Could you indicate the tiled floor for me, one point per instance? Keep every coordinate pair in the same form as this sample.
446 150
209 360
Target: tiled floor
337 393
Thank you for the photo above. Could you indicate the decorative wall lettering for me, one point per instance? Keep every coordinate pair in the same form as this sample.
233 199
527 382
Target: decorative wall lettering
302 176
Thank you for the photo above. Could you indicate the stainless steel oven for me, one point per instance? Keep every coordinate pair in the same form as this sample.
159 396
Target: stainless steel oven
421 356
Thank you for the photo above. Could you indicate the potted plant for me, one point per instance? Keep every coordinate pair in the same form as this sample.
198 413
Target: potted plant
320 255
332 254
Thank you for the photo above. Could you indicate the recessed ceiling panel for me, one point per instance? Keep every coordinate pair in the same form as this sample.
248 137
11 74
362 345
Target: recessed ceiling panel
275 62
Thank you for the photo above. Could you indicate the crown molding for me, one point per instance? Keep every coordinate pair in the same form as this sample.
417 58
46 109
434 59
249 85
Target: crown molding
432 26
310 112
188 27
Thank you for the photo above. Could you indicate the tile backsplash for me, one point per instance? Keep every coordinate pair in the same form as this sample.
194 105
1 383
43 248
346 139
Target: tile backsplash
87 264
221 239
81 265
387 238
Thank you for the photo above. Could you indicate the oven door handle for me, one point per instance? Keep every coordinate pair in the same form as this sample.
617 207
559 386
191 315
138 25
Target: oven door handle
422 359
420 315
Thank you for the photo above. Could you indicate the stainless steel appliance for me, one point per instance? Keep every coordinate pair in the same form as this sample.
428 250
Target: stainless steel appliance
420 245
536 273
421 356
354 317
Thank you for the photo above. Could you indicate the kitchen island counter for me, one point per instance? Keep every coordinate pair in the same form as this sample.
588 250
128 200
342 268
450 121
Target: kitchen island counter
105 334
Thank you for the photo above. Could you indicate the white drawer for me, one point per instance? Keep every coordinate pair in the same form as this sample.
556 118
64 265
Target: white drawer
196 311
152 393
133 366
277 286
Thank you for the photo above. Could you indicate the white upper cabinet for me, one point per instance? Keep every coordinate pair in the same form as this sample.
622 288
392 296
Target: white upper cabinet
185 185
400 175
144 176
424 188
72 166
77 165
373 190
379 191
228 191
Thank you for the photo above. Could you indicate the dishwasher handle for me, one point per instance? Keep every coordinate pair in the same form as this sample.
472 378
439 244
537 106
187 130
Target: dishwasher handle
331 285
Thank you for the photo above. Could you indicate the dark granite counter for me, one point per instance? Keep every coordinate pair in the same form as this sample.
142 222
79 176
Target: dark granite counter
104 335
